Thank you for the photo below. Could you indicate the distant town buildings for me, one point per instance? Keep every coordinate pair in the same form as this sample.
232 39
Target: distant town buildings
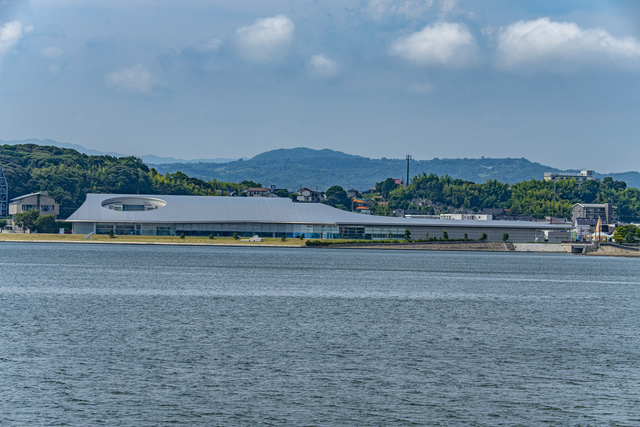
593 211
309 196
584 175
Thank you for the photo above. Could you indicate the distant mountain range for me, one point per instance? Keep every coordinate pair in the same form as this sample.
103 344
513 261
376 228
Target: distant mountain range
147 158
319 169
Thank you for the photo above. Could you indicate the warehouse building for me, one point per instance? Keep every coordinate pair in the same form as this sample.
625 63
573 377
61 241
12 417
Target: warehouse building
273 217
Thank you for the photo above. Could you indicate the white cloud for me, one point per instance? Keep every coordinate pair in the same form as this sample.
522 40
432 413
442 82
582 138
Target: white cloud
442 43
562 46
134 79
209 45
321 67
10 35
446 6
265 41
409 9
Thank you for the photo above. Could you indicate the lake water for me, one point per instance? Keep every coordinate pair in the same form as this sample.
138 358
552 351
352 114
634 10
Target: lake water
155 335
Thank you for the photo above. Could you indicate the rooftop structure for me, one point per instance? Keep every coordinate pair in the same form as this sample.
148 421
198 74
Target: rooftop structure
581 177
267 217
41 201
593 211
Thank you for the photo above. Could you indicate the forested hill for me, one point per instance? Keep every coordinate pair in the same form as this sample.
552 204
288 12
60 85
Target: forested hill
69 175
304 167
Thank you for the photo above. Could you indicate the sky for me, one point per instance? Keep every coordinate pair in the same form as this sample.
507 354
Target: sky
554 82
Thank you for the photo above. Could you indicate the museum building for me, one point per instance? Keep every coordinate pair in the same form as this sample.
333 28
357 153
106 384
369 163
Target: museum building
154 215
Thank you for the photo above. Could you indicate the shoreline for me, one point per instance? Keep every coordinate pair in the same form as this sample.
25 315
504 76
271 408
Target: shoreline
473 246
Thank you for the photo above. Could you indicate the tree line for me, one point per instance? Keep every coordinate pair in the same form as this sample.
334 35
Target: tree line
533 198
68 176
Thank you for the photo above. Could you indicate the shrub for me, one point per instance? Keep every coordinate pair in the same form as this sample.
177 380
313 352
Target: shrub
182 235
235 236
284 238
211 236
111 234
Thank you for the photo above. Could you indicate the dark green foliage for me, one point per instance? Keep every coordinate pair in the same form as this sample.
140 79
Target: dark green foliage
466 236
3 223
533 197
337 197
68 176
301 237
407 234
235 236
284 238
445 235
484 237
112 234
211 236
46 224
27 220
627 234
505 237
182 235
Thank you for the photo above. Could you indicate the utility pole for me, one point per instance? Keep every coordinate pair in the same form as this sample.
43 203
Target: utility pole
408 160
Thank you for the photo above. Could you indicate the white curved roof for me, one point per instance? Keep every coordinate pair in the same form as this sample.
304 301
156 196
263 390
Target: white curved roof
205 209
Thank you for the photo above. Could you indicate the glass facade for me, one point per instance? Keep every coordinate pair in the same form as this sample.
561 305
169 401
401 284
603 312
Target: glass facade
221 229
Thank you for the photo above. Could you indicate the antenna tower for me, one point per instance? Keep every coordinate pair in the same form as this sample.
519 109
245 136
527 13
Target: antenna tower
4 195
408 160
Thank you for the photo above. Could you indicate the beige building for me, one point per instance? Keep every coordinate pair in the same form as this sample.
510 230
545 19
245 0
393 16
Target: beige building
41 202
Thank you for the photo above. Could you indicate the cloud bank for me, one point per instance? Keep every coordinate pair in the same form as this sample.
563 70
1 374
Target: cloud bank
442 43
137 79
10 35
562 46
265 41
321 67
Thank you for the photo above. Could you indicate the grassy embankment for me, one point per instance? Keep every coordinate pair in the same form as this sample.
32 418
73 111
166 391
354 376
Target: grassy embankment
188 240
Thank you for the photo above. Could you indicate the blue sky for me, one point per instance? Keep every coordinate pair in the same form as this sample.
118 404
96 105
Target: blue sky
555 82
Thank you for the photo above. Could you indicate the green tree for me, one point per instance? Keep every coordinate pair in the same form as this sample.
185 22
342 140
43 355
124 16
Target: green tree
484 237
46 224
337 197
505 237
627 234
284 237
26 220
385 187
466 236
407 234
112 234
211 236
235 236
3 223
445 235
182 236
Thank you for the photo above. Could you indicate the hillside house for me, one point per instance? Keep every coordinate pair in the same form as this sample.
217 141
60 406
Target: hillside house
309 196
